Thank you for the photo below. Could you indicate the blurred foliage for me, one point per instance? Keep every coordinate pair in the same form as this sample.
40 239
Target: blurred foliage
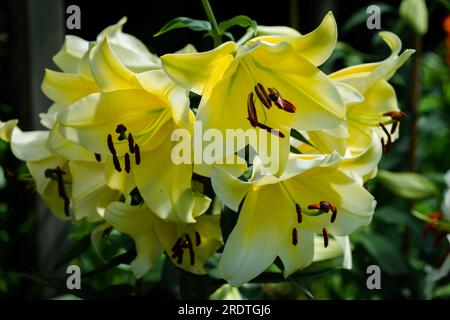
395 240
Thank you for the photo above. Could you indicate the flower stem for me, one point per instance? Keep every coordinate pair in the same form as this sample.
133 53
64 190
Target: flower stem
216 34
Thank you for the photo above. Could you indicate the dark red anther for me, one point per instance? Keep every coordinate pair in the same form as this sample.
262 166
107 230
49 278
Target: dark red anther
394 127
333 214
191 249
299 213
386 146
273 131
127 163
137 154
263 96
315 206
251 111
111 145
325 237
130 142
116 163
276 98
294 237
289 106
395 115
98 157
198 239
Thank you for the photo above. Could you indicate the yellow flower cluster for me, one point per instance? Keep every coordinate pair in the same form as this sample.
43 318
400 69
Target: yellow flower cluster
107 151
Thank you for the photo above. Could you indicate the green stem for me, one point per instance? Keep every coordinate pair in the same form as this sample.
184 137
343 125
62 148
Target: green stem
217 35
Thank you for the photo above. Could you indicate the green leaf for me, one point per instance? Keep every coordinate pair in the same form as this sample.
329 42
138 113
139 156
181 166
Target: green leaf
183 22
297 135
124 258
408 185
193 286
415 13
242 21
75 250
383 251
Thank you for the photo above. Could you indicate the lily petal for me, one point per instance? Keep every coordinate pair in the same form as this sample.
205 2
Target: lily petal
261 230
193 70
316 46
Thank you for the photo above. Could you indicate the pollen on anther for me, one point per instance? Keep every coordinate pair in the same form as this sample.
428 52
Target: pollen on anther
299 213
137 154
116 163
111 145
131 143
333 214
263 96
325 237
127 163
198 239
294 237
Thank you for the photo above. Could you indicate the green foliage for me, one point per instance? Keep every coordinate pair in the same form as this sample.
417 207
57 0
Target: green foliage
183 22
408 185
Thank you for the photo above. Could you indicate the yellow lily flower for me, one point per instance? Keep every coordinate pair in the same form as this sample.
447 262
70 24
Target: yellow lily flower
76 186
372 114
77 81
266 84
187 245
313 196
130 123
379 109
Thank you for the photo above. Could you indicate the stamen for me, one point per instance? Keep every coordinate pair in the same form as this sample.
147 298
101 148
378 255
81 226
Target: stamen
177 250
191 249
251 111
116 163
111 145
394 127
131 143
388 145
325 237
98 157
198 239
294 237
61 189
299 213
276 98
395 115
177 244
289 106
127 163
333 214
315 206
263 96
273 131
137 154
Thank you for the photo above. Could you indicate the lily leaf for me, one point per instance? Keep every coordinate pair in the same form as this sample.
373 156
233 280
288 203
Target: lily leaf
408 185
242 21
75 251
183 22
